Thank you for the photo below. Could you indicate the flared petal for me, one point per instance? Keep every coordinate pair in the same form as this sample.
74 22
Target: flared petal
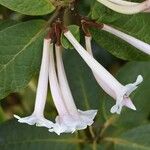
72 123
128 103
87 117
123 96
35 120
64 124
129 88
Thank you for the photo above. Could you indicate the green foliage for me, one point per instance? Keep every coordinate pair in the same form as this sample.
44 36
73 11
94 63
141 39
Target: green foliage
135 139
29 7
75 31
6 24
20 53
134 25
2 115
20 57
118 134
23 137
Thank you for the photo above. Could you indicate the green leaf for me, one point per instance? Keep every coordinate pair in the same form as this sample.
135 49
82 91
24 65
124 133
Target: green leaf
134 25
135 139
140 97
20 53
75 31
29 7
16 136
6 24
2 115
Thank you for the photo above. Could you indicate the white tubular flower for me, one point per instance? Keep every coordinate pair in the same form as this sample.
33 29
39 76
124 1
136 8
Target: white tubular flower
142 46
66 121
127 3
124 2
126 7
82 118
108 82
37 116
110 90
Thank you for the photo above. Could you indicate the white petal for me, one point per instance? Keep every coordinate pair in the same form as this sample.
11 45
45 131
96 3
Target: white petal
105 79
37 116
64 124
71 123
123 96
63 82
97 68
35 120
126 9
129 88
128 103
127 3
106 87
41 93
87 116
124 2
142 46
54 86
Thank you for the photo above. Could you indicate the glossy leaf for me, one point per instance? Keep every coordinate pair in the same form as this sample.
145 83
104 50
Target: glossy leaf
16 136
6 24
134 25
20 53
28 7
135 139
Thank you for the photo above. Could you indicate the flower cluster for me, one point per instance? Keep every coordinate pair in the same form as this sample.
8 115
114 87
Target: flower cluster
69 118
126 7
109 84
52 70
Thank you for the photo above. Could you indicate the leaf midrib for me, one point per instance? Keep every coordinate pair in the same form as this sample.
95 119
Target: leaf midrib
22 50
128 143
71 141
